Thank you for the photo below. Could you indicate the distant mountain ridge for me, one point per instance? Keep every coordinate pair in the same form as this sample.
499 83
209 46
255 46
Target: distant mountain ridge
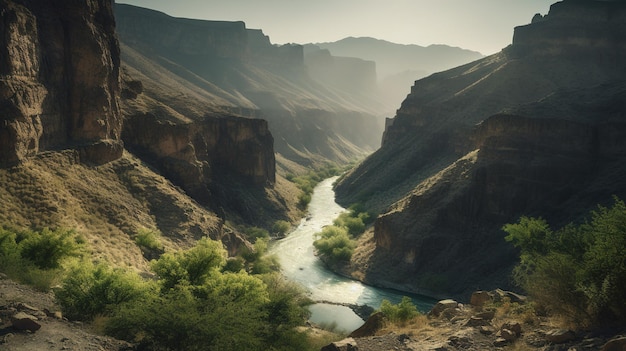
398 65
311 122
392 58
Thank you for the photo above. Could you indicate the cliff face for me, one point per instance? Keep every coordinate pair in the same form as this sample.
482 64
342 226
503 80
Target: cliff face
244 73
59 69
191 153
532 130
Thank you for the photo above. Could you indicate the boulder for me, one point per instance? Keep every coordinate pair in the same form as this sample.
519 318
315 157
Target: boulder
373 324
486 315
560 336
500 342
441 306
476 322
479 298
24 321
500 295
617 344
508 335
344 345
514 327
450 313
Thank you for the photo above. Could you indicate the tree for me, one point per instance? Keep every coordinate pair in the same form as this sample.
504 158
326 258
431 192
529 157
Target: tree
578 271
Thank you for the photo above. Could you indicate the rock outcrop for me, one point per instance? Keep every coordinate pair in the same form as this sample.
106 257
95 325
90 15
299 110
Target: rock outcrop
59 79
534 130
190 153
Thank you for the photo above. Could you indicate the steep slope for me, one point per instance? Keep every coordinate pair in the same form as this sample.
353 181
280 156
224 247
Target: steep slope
62 160
534 130
244 73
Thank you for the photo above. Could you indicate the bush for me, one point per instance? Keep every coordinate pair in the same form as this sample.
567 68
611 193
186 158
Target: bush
88 290
149 239
190 267
402 312
335 244
46 249
577 271
35 258
281 227
256 233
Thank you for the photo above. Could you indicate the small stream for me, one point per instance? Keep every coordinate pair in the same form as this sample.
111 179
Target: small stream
296 256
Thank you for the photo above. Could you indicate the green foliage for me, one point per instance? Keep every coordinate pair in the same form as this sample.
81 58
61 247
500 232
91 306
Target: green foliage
335 244
303 200
257 261
577 271
402 312
46 249
281 227
149 239
254 233
307 182
225 311
89 290
190 267
35 258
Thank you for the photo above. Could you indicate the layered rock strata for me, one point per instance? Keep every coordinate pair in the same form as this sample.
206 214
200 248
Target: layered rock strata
59 79
534 130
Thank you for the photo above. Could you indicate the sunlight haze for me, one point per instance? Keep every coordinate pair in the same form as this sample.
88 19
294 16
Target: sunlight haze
483 25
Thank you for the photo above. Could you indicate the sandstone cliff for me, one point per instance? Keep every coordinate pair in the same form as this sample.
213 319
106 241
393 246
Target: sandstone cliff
59 79
533 130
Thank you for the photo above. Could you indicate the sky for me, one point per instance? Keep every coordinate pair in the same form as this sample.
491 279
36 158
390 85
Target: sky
481 25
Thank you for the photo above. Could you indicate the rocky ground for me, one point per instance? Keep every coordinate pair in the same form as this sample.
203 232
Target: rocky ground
48 329
452 326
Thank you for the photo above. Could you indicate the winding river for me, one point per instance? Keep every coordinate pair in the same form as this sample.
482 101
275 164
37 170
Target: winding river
299 263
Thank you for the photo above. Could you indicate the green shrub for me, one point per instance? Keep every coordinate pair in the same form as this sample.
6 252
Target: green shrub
10 258
190 267
149 239
254 233
89 290
281 227
335 244
303 200
577 271
35 258
402 312
257 261
46 249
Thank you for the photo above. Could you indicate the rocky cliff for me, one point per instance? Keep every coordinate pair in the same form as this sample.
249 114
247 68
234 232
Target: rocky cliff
244 73
533 130
59 79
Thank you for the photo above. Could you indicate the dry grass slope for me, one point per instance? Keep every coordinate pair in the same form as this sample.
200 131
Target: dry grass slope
107 204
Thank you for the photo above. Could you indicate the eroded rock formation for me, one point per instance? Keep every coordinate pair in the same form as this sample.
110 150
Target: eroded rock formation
59 79
534 130
243 73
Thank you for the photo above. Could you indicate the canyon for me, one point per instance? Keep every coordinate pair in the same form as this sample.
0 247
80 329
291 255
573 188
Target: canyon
532 130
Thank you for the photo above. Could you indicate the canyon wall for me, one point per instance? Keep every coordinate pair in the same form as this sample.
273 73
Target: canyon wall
533 130
244 73
59 85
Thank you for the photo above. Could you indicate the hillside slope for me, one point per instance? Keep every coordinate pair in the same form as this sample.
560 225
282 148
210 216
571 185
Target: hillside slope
241 72
536 129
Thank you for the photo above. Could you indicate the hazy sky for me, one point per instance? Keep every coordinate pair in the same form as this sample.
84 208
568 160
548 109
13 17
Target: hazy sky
481 25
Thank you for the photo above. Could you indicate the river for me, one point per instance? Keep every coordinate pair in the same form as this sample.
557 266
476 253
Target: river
299 263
